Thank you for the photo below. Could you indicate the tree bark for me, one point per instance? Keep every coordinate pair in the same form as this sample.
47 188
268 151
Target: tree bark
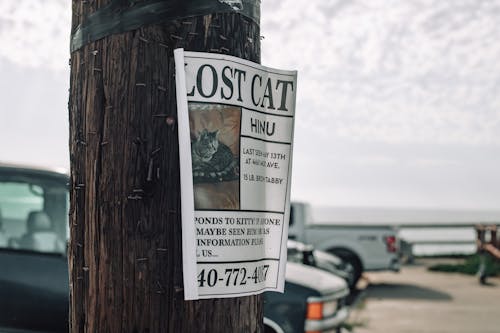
125 251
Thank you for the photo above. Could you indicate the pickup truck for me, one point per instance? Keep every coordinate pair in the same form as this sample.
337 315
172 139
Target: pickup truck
366 247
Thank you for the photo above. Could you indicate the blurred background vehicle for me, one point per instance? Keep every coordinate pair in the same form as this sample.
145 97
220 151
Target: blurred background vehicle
34 281
34 289
364 247
306 254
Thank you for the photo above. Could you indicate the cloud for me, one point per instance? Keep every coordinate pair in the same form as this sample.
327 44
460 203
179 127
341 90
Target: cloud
35 33
392 71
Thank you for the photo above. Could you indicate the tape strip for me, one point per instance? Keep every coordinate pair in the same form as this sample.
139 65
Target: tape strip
121 16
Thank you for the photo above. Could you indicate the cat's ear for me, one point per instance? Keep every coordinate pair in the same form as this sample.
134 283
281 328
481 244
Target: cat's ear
216 132
199 135
204 132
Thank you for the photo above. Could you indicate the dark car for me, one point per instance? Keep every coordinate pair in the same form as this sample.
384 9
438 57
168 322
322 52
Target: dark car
34 289
313 301
33 266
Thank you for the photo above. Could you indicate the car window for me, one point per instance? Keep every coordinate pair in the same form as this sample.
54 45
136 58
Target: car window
33 216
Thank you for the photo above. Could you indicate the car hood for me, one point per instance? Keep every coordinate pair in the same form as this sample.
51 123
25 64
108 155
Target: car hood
325 283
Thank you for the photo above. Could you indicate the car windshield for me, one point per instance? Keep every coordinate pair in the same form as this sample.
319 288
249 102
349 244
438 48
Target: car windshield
33 215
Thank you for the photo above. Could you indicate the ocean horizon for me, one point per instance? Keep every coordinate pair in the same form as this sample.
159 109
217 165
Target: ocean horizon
437 240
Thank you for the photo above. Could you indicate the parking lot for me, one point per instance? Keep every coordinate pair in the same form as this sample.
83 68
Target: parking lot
417 300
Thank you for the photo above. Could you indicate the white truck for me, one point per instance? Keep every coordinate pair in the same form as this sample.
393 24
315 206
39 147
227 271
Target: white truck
366 247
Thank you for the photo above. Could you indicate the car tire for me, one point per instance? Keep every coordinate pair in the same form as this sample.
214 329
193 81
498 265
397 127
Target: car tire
351 258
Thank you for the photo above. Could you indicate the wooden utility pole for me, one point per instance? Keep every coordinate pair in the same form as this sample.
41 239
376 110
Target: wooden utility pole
125 250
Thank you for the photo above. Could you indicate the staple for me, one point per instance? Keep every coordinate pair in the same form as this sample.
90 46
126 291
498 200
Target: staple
222 37
224 49
193 33
158 173
176 37
161 249
143 39
163 45
216 26
139 190
104 143
162 115
178 289
79 277
134 197
140 84
162 88
79 245
156 151
142 259
160 287
94 53
215 50
150 170
109 107
80 186
97 69
81 142
85 268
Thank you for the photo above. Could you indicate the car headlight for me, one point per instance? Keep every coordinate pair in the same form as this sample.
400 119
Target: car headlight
318 310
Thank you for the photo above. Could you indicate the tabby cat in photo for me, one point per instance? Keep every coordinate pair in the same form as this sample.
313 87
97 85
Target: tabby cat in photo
212 160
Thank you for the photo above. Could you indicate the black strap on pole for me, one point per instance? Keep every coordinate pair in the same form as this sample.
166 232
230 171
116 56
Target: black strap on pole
125 15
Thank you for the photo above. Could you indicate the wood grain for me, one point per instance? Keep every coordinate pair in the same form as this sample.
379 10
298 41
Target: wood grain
125 250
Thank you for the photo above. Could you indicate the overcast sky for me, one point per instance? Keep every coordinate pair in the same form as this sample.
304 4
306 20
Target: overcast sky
398 101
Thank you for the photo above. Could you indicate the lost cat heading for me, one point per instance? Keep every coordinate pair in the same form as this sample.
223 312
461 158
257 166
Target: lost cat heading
231 81
236 121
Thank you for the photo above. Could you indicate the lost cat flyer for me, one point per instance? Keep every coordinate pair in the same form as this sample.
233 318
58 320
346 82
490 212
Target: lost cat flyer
236 122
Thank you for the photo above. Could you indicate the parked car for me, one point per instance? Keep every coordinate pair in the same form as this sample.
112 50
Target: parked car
34 288
313 301
366 247
308 255
33 266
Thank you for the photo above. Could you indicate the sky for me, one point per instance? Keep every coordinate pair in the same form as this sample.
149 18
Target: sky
398 102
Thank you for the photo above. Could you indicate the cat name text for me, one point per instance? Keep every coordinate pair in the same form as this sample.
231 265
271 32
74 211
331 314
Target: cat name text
262 127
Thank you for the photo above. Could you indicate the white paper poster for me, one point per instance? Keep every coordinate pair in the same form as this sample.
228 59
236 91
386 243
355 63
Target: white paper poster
236 121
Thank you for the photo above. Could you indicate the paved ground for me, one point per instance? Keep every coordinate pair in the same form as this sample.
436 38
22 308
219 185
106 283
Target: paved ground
418 301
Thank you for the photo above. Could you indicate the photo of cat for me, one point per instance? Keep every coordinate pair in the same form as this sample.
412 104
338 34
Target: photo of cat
215 151
212 160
